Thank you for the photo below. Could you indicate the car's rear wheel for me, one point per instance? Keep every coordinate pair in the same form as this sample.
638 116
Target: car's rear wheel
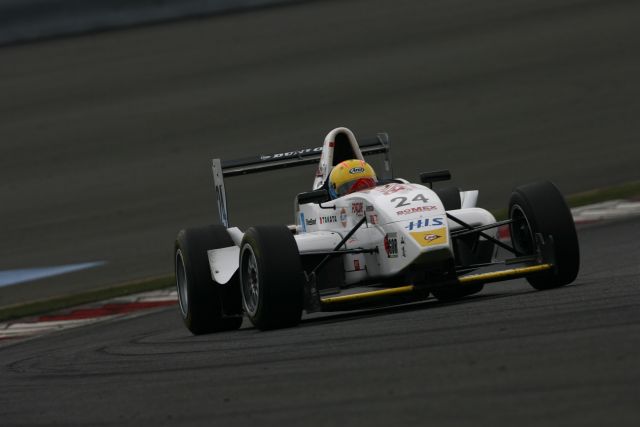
271 277
540 208
205 306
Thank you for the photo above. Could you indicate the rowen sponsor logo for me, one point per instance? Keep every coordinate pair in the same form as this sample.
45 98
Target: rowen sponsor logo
357 169
424 208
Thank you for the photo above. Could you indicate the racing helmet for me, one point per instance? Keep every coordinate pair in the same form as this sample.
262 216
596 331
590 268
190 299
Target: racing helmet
351 176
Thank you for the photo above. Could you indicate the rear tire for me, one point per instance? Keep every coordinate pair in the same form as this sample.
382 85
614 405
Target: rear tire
271 277
450 197
540 208
205 306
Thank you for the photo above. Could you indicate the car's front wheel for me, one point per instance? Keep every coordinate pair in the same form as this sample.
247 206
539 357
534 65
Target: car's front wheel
540 208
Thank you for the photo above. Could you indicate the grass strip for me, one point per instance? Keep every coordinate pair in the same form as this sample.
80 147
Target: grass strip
622 191
56 303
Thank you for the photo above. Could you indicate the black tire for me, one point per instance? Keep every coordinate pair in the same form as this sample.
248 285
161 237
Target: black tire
540 208
271 277
204 305
450 197
456 292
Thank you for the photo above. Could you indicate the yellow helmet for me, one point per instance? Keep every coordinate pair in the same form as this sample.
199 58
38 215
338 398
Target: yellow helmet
350 176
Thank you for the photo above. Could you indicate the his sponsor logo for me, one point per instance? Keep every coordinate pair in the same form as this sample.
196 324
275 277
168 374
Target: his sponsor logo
391 245
411 210
290 153
356 264
357 208
373 219
424 222
431 237
311 221
370 208
357 169
328 219
343 217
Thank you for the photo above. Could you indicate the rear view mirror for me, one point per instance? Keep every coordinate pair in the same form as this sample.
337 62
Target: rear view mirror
315 196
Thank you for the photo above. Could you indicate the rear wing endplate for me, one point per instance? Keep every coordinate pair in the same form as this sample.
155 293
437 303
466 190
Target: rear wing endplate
264 163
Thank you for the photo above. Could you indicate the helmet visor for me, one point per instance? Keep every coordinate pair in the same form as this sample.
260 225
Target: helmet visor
355 185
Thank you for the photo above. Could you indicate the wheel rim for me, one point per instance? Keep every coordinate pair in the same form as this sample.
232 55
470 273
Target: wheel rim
521 233
181 284
249 278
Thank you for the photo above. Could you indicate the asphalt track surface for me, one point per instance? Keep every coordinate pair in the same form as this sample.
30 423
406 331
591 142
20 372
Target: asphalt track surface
508 356
106 139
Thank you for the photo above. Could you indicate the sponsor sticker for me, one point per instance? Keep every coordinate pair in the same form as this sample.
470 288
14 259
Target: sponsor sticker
424 222
310 221
424 208
290 153
391 245
356 264
357 208
373 219
343 217
370 208
391 188
430 237
355 170
328 219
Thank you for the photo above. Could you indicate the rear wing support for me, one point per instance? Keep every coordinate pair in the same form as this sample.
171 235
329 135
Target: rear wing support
264 163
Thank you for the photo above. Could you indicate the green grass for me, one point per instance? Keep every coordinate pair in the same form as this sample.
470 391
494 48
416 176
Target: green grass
623 191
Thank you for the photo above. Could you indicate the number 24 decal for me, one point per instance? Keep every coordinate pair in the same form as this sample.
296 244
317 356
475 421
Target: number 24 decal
403 200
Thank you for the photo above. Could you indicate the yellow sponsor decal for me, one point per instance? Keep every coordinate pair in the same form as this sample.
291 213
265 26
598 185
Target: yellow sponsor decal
434 237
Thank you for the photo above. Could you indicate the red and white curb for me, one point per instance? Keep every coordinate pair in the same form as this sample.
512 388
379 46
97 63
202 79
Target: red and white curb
589 214
613 209
86 314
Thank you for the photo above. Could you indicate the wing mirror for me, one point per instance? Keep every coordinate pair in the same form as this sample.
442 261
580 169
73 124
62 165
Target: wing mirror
315 196
435 176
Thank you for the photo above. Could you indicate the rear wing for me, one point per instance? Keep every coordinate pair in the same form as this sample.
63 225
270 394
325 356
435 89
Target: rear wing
264 163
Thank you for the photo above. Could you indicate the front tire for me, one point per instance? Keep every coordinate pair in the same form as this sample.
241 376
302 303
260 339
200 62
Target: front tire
271 277
540 208
205 306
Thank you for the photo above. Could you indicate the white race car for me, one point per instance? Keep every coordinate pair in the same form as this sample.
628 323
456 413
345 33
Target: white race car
395 242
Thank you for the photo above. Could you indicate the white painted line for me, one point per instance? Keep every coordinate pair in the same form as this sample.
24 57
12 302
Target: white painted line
13 277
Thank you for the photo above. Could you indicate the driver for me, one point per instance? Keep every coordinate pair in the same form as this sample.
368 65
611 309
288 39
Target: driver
351 176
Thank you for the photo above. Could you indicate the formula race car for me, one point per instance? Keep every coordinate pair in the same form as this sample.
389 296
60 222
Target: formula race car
390 243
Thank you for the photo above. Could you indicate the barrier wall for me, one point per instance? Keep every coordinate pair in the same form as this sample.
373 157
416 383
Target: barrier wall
26 20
